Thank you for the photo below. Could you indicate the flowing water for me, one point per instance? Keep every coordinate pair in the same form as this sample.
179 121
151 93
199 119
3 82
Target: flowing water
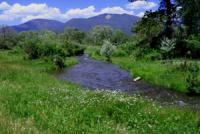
100 75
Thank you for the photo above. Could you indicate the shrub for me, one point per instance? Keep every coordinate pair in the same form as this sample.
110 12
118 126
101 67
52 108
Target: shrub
73 48
119 53
193 83
167 47
51 49
128 47
32 49
59 62
138 53
107 50
7 37
153 55
193 45
119 37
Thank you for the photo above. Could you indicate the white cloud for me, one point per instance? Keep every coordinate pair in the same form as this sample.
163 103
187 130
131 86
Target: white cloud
141 14
4 5
43 11
77 12
115 10
140 4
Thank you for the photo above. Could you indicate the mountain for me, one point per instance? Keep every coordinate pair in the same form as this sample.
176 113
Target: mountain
116 21
40 24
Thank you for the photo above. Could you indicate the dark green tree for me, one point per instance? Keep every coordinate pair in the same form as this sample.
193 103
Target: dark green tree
7 37
167 9
190 13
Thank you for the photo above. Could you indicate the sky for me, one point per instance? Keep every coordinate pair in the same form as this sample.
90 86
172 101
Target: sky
14 12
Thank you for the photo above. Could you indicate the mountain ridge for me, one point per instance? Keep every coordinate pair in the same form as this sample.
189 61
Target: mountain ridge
123 22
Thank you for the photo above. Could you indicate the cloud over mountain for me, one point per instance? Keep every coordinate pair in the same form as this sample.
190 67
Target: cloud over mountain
24 13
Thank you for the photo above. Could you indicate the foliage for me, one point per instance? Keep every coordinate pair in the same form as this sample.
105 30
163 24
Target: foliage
153 55
8 37
190 13
107 50
32 48
167 46
193 45
71 34
119 37
128 47
148 30
92 51
193 82
119 53
73 48
59 62
166 13
100 33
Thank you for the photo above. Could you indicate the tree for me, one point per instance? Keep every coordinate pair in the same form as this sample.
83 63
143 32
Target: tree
107 50
100 33
167 8
190 13
72 34
119 37
7 37
149 30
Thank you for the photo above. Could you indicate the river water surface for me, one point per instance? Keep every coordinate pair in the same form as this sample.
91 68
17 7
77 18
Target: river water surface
92 74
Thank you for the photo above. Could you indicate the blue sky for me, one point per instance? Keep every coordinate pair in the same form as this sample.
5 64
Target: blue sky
14 12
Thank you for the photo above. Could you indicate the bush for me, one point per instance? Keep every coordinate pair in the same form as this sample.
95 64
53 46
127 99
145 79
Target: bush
119 53
138 53
107 50
193 45
167 47
59 62
128 47
193 83
73 48
32 49
119 37
8 37
153 55
51 49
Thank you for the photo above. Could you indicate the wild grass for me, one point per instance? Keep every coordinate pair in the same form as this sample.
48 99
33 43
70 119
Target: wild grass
33 101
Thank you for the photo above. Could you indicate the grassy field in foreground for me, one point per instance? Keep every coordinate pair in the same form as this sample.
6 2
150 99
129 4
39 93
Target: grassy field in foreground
33 101
167 75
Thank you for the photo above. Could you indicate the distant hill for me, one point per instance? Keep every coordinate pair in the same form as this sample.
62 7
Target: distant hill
40 24
116 21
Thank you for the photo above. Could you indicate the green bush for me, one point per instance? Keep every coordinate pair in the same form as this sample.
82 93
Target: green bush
119 53
59 62
107 50
167 47
138 53
193 45
73 48
128 47
193 82
8 38
153 55
32 48
93 51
